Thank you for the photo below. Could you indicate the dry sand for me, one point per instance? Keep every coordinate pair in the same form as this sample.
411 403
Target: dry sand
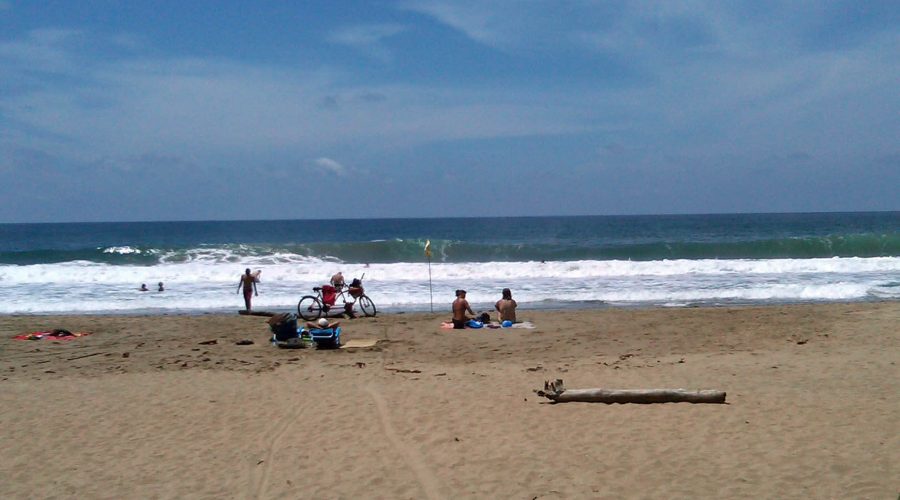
141 409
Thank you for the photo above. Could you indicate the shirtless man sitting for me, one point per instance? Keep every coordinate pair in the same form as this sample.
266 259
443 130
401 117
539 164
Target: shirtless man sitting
460 308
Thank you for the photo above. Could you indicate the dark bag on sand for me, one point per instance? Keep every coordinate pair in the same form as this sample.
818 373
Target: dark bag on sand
284 326
484 318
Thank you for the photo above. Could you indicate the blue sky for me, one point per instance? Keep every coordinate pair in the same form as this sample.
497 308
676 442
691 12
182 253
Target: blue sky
197 110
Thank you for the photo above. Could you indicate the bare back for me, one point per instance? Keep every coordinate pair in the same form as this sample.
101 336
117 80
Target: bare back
507 309
460 306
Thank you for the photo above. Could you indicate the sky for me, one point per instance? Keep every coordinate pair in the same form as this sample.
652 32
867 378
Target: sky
223 110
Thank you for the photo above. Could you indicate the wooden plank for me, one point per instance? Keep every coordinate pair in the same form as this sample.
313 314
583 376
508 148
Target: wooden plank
244 312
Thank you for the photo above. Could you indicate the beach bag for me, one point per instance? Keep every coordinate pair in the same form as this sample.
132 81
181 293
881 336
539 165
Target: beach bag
284 326
356 289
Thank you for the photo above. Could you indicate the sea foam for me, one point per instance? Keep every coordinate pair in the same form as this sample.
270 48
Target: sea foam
202 281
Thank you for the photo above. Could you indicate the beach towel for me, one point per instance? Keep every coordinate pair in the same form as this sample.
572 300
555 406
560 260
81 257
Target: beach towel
359 343
448 325
329 295
51 335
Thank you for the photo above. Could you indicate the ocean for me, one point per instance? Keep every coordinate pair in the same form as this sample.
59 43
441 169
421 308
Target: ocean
548 262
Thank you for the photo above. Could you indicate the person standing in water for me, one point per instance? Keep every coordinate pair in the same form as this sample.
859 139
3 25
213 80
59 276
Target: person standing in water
248 284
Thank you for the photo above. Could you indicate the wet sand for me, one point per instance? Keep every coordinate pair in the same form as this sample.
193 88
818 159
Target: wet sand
143 408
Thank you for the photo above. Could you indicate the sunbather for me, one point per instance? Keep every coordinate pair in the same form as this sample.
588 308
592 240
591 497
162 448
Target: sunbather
506 306
460 308
322 324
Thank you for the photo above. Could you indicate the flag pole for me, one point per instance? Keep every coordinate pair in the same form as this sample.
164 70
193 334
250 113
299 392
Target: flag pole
430 291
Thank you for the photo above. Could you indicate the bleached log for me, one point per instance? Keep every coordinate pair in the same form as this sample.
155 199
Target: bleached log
556 392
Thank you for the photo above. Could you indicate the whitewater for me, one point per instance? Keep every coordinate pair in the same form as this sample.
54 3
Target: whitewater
210 285
548 262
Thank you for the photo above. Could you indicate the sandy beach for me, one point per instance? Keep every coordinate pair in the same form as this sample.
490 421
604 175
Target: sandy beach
149 407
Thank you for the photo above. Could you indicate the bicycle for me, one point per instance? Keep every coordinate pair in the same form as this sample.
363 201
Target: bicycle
312 307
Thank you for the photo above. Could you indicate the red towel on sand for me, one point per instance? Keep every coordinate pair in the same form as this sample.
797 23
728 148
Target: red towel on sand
50 336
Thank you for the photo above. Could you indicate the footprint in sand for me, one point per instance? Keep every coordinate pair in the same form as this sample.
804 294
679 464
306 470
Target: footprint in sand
263 468
426 478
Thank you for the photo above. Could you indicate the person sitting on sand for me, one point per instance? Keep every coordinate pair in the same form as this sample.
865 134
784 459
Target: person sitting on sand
322 324
460 308
337 280
348 310
248 283
355 290
506 306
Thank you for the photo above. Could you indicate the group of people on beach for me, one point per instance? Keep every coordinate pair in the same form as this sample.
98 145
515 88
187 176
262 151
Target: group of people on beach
506 307
249 279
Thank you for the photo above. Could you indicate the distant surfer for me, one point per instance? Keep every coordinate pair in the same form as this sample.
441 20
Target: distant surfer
248 284
144 288
161 287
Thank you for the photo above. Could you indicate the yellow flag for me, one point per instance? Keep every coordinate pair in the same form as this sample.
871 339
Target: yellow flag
428 248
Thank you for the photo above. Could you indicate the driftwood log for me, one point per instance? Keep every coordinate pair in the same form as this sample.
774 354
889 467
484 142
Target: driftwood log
556 392
244 312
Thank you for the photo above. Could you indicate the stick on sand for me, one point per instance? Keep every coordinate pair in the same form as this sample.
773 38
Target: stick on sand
556 392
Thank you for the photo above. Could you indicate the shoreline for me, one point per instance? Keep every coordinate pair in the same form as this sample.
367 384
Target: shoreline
529 306
149 406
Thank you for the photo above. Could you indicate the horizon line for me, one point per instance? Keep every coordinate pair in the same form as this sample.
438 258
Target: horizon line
343 219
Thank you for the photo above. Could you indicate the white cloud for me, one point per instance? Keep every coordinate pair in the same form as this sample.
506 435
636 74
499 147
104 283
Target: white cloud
753 96
368 39
476 20
329 165
43 49
199 108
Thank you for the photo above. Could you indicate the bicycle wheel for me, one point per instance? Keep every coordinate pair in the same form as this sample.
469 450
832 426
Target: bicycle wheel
309 308
366 305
